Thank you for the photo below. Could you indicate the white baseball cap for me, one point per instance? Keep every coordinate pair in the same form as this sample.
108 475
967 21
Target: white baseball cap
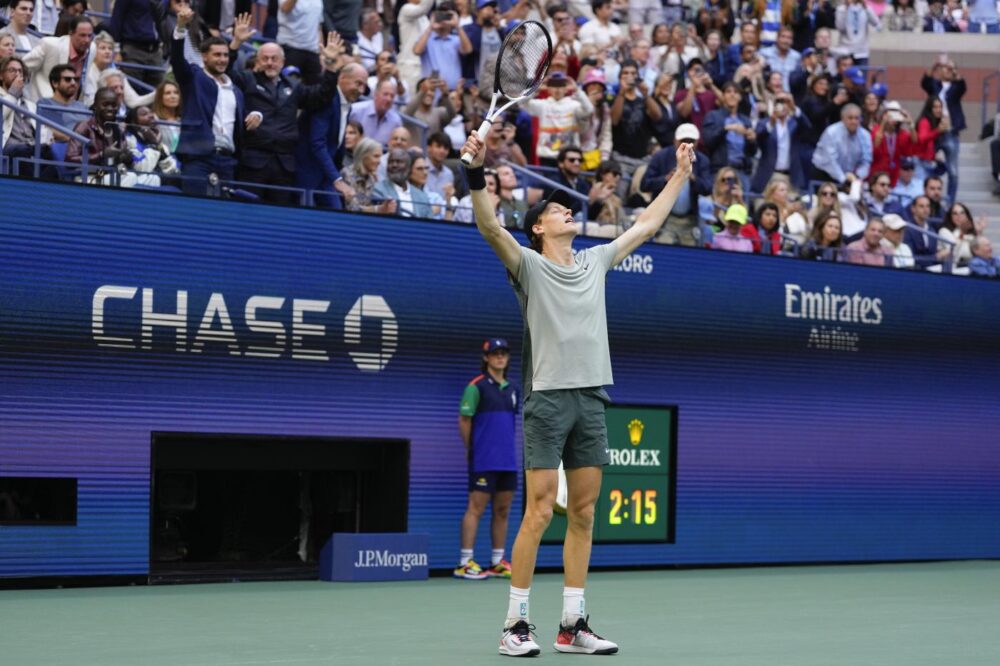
687 131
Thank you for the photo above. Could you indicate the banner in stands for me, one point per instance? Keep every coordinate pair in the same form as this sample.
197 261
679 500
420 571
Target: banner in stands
823 412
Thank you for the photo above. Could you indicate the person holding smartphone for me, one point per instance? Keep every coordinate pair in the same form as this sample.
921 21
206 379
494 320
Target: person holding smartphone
442 46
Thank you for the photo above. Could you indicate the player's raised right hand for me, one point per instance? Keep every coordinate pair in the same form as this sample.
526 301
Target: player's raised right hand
476 147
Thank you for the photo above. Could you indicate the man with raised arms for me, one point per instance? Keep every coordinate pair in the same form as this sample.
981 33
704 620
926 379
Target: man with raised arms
566 366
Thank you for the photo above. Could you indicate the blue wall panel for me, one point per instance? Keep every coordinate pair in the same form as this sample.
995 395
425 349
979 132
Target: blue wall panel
886 448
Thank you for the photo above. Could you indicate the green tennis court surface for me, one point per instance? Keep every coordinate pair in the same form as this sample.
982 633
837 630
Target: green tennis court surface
940 614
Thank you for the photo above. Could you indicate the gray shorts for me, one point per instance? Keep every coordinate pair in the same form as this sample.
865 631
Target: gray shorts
566 425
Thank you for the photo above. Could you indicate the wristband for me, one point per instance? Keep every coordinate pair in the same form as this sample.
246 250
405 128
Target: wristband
476 177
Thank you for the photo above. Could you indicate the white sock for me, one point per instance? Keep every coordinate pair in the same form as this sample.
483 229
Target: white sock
497 556
518 608
466 556
573 605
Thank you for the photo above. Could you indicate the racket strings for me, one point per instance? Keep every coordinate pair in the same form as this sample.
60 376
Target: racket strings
524 60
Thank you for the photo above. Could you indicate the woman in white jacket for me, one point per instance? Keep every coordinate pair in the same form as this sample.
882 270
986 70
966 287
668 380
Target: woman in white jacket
104 58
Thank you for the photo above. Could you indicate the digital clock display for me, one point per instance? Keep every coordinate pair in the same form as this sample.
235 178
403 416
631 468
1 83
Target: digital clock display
637 494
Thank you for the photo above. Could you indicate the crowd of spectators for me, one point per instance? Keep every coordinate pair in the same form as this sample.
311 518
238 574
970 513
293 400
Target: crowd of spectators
361 104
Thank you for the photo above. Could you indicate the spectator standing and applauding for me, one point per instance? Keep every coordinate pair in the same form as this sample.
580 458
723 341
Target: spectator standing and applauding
273 103
212 120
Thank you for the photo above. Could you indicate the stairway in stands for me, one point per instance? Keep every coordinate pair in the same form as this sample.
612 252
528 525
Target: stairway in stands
975 186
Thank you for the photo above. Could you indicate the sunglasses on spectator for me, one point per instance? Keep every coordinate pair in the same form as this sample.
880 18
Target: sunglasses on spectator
574 159
688 141
69 78
729 181
827 193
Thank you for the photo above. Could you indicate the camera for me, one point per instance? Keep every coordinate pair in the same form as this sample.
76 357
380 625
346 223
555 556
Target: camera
442 15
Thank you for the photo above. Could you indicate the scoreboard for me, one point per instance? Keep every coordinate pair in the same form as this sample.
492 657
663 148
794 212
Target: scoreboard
638 492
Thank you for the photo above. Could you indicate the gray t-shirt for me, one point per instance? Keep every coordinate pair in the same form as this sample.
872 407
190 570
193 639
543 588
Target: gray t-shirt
565 322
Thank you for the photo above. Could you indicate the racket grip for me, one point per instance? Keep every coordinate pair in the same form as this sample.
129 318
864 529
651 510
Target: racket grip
483 129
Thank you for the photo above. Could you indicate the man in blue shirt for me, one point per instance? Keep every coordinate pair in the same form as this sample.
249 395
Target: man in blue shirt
63 107
781 57
377 116
442 46
983 263
486 423
844 148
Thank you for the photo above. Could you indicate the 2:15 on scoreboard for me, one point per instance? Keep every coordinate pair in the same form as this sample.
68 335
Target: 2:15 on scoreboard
636 503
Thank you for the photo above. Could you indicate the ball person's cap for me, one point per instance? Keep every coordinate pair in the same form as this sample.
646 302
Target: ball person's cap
561 197
493 344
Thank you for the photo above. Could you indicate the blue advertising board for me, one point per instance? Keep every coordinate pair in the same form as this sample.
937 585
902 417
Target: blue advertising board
371 556
823 412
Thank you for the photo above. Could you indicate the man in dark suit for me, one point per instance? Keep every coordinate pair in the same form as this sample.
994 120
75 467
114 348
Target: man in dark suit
779 138
320 153
212 120
943 80
682 223
728 136
273 102
925 247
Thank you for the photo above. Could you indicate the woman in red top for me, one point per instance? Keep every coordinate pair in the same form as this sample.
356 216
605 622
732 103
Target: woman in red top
892 140
931 123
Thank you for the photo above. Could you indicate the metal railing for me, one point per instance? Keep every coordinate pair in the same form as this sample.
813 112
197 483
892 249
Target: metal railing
51 124
524 171
946 265
988 81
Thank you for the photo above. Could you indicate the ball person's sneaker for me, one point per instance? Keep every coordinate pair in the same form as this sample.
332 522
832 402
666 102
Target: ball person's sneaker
579 639
499 570
516 640
470 571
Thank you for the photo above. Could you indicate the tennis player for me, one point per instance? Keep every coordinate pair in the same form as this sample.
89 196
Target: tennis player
566 365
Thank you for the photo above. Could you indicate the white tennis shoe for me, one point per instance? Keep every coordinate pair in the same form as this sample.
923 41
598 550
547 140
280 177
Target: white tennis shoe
579 639
516 641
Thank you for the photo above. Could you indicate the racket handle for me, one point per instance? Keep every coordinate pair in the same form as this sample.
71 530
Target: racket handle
483 129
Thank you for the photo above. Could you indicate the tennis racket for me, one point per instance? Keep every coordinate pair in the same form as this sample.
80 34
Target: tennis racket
522 63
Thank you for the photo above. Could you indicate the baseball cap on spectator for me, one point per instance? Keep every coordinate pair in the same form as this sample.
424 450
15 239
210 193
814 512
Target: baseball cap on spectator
808 51
893 111
893 221
594 76
736 213
687 132
880 89
855 75
485 3
560 197
557 79
907 163
494 344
